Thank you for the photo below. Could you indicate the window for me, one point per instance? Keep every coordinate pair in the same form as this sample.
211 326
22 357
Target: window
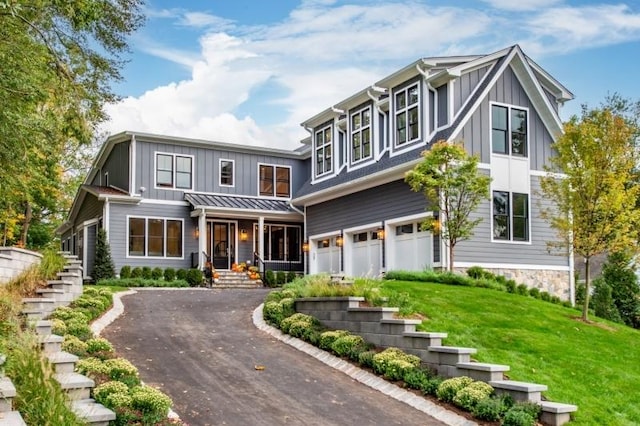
407 114
275 181
323 151
155 237
404 229
226 172
509 131
361 135
174 171
281 242
510 216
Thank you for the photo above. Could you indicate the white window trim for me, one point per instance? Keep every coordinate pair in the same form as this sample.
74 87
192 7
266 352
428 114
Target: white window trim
331 172
509 108
146 239
510 240
174 171
233 173
274 196
106 178
300 241
360 131
394 113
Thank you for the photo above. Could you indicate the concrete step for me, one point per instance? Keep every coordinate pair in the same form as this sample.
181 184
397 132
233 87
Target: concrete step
64 285
45 304
63 275
11 418
7 393
519 391
482 371
424 339
75 385
226 285
62 362
556 413
51 343
34 314
451 355
93 413
43 327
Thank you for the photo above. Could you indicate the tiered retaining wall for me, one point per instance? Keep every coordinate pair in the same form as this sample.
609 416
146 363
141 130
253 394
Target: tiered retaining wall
378 325
14 260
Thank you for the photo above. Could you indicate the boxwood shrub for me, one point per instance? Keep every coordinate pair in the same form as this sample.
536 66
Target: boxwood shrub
450 387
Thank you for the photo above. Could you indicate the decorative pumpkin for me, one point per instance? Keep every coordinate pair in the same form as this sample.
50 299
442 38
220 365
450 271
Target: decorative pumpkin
216 275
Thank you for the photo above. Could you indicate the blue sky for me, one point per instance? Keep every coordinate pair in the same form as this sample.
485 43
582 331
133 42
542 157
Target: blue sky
250 71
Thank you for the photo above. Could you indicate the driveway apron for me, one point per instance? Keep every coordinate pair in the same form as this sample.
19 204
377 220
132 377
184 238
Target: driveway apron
202 349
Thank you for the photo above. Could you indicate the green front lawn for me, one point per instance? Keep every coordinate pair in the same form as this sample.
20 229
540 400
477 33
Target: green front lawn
595 366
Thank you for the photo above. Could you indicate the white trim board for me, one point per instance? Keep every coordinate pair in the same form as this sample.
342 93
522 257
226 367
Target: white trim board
512 266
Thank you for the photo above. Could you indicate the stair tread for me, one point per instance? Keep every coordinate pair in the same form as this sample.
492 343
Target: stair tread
518 386
92 411
7 390
73 381
51 338
61 357
482 366
11 418
38 300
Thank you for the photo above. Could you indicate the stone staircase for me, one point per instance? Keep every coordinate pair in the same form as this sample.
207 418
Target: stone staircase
60 292
231 279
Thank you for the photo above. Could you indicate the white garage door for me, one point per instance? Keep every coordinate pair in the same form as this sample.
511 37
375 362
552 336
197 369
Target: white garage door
365 254
327 255
412 247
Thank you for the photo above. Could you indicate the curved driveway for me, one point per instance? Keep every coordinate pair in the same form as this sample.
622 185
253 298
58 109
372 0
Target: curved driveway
201 348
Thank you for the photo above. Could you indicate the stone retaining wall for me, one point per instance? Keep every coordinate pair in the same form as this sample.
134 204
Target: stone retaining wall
14 260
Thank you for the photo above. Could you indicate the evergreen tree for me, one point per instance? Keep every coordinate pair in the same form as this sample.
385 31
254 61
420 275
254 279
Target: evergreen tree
103 266
619 273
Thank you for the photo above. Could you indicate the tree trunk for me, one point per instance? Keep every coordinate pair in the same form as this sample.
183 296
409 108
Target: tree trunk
587 289
450 256
25 224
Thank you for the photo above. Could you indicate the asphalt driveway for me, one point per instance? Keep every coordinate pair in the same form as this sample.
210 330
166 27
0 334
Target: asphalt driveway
201 348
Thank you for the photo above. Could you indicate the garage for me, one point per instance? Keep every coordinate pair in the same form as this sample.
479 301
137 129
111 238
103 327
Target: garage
410 249
363 254
327 255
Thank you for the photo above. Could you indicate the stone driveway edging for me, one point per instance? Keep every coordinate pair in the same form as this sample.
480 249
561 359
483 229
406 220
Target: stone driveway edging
362 376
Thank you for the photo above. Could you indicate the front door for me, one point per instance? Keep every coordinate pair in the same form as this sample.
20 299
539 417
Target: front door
223 238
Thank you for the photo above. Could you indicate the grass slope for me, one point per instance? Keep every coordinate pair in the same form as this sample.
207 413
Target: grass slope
595 366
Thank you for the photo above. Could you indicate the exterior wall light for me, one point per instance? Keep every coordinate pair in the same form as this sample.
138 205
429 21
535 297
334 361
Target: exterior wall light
380 233
244 235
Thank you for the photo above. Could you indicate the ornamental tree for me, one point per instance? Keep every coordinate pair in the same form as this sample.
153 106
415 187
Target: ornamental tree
596 193
449 178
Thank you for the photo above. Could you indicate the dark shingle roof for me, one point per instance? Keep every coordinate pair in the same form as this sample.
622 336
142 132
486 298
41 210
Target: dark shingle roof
235 202
104 190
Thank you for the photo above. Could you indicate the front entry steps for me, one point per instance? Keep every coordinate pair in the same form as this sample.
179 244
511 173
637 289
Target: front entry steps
231 279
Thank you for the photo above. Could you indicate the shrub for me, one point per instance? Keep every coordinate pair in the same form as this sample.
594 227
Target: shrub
343 345
125 271
91 366
534 292
511 286
157 273
393 362
545 296
291 276
103 266
281 277
602 301
522 290
181 274
194 277
518 418
432 386
74 346
492 409
101 392
469 396
366 358
272 313
66 313
328 337
270 278
58 327
417 378
79 329
169 274
140 282
146 272
153 403
530 408
100 348
118 400
476 272
122 370
619 273
296 321
136 272
450 387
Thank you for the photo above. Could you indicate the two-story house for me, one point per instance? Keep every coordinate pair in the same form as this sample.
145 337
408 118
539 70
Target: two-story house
164 200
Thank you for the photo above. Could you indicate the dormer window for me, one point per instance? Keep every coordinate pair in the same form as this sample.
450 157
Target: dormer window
360 132
323 150
174 171
407 114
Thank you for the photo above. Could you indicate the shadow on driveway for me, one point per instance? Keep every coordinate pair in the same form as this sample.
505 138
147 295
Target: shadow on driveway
201 348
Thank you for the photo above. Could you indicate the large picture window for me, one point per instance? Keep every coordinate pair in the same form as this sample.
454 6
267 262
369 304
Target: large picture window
323 151
281 242
174 171
510 216
407 114
360 129
275 181
508 130
155 237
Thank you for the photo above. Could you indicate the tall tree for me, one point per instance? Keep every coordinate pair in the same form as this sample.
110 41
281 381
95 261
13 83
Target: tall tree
58 58
449 178
595 195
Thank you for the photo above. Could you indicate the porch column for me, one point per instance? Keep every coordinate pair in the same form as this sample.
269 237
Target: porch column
261 237
202 237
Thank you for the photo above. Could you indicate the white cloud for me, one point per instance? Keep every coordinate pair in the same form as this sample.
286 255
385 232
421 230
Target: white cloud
325 51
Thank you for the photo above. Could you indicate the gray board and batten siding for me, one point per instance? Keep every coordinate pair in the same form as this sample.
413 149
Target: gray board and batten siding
117 165
480 249
465 85
91 208
90 242
206 172
119 238
476 133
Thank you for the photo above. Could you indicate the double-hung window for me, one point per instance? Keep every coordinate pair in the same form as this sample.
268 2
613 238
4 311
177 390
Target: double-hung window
510 216
360 135
155 237
275 181
174 171
509 130
323 150
407 114
226 172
